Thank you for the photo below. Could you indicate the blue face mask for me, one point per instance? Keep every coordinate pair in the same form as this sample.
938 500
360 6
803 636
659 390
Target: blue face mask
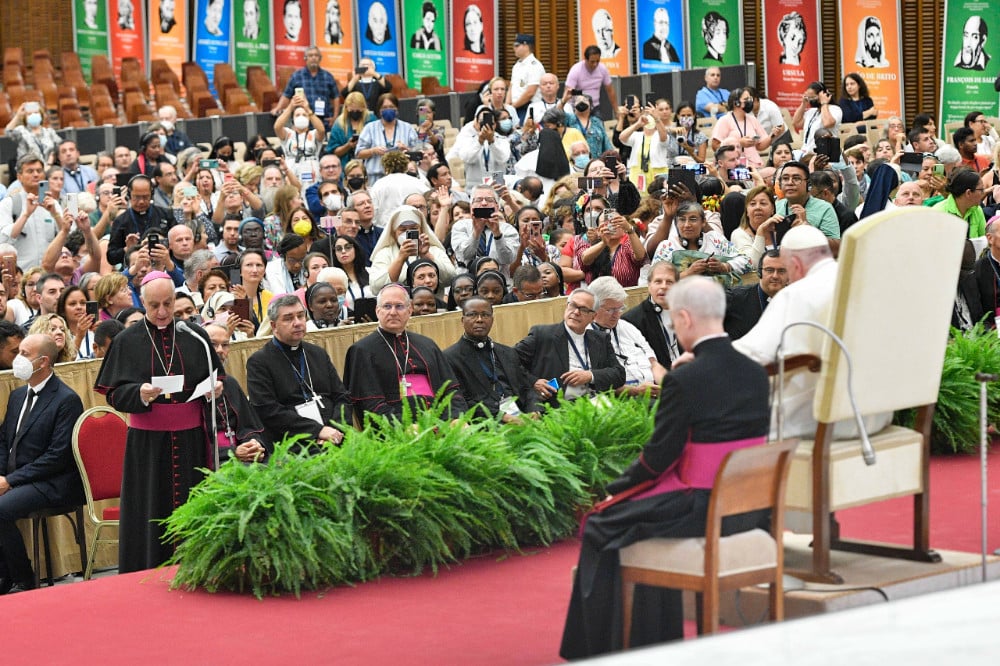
388 115
341 299
506 125
581 161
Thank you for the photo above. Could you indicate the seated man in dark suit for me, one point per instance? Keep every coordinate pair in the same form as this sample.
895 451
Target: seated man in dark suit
489 373
987 272
745 304
36 454
652 316
582 361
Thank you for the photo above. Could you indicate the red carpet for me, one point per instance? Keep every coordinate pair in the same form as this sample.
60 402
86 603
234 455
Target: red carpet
495 609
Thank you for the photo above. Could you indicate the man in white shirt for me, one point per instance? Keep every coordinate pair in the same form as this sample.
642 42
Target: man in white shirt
816 110
549 87
525 75
488 236
642 371
483 151
27 222
391 190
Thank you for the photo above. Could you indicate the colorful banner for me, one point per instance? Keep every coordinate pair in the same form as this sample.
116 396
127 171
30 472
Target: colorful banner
168 29
604 23
212 36
252 34
968 66
378 34
333 35
659 35
90 31
291 32
715 37
474 43
425 27
793 49
127 32
870 45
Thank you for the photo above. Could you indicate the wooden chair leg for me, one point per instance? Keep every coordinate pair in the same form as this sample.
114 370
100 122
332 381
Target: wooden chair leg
710 608
628 597
776 597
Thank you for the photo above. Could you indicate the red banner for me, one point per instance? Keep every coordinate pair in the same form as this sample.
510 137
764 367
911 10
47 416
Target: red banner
291 32
474 43
334 36
793 48
126 29
168 29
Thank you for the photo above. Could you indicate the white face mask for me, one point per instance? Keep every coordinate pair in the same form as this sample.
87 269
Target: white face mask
333 201
301 122
167 125
34 119
23 368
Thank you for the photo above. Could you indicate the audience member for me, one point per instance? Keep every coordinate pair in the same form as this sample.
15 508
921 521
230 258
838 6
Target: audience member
745 303
652 316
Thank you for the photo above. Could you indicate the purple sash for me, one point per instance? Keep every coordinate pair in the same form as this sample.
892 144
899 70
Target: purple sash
168 418
697 466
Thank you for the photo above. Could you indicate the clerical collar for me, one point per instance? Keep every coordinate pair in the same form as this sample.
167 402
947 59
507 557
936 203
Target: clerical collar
286 347
478 344
387 334
153 327
706 338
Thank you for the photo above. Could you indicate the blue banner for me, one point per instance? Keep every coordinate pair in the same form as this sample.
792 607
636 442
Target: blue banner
213 34
378 34
659 35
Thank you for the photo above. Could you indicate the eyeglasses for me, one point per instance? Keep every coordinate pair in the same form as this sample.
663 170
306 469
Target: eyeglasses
618 310
570 305
792 179
483 200
478 315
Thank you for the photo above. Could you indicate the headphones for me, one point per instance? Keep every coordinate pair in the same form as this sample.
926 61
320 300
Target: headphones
685 243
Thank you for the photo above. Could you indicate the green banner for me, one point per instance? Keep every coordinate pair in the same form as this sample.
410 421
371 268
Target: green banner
968 66
252 35
715 33
90 31
425 37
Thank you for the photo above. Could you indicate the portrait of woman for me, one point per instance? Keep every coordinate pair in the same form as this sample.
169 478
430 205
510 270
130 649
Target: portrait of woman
871 43
475 42
425 38
792 37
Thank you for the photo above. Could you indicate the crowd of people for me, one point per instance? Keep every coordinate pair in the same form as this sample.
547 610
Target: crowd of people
158 257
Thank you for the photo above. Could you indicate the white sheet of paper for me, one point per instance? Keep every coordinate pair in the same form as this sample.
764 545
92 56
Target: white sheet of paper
168 383
206 385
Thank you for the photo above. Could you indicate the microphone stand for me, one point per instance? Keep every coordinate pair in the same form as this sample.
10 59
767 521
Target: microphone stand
184 328
867 451
983 378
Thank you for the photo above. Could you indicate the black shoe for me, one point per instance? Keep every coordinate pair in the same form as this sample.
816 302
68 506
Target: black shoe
21 587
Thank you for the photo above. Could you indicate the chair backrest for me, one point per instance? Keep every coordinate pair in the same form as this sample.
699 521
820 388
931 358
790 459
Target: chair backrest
893 319
99 448
750 479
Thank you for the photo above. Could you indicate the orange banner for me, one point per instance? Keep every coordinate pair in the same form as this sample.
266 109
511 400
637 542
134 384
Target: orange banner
870 47
334 36
605 23
126 25
168 28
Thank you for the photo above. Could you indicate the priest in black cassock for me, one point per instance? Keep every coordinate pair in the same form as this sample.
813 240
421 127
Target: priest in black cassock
490 373
713 398
167 439
293 385
391 363
652 316
238 429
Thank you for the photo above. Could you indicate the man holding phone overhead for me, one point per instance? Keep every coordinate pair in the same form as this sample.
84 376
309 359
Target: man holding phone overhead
27 217
135 221
486 233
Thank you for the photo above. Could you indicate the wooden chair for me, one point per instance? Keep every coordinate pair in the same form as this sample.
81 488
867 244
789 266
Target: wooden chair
99 449
748 480
897 351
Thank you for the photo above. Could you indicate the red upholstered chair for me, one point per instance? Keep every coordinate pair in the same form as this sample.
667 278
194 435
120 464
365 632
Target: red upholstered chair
99 449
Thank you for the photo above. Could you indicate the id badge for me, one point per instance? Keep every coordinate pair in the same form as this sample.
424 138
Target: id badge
309 410
509 406
320 106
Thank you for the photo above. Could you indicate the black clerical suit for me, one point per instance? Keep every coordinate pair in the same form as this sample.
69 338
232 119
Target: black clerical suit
280 377
373 368
544 353
646 318
489 372
236 421
37 461
131 222
651 50
744 305
986 270
718 398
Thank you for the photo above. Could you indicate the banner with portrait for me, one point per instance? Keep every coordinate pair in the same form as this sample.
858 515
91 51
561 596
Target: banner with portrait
90 31
793 49
333 36
969 64
425 27
291 32
378 34
212 36
604 23
252 36
659 36
870 46
474 43
127 32
715 37
168 29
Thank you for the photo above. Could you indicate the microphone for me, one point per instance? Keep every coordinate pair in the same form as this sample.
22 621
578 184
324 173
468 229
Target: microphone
183 327
867 450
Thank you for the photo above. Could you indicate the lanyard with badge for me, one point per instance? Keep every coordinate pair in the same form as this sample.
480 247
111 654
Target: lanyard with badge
312 403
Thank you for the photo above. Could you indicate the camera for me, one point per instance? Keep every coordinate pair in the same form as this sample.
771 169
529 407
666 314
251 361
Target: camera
152 240
412 235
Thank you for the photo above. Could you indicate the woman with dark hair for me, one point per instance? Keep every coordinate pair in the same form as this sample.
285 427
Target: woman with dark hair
474 40
73 309
552 279
253 144
284 272
757 224
130 316
484 264
463 287
302 223
621 193
492 286
855 100
741 128
150 152
424 302
533 248
323 306
350 257
613 248
690 232
692 142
